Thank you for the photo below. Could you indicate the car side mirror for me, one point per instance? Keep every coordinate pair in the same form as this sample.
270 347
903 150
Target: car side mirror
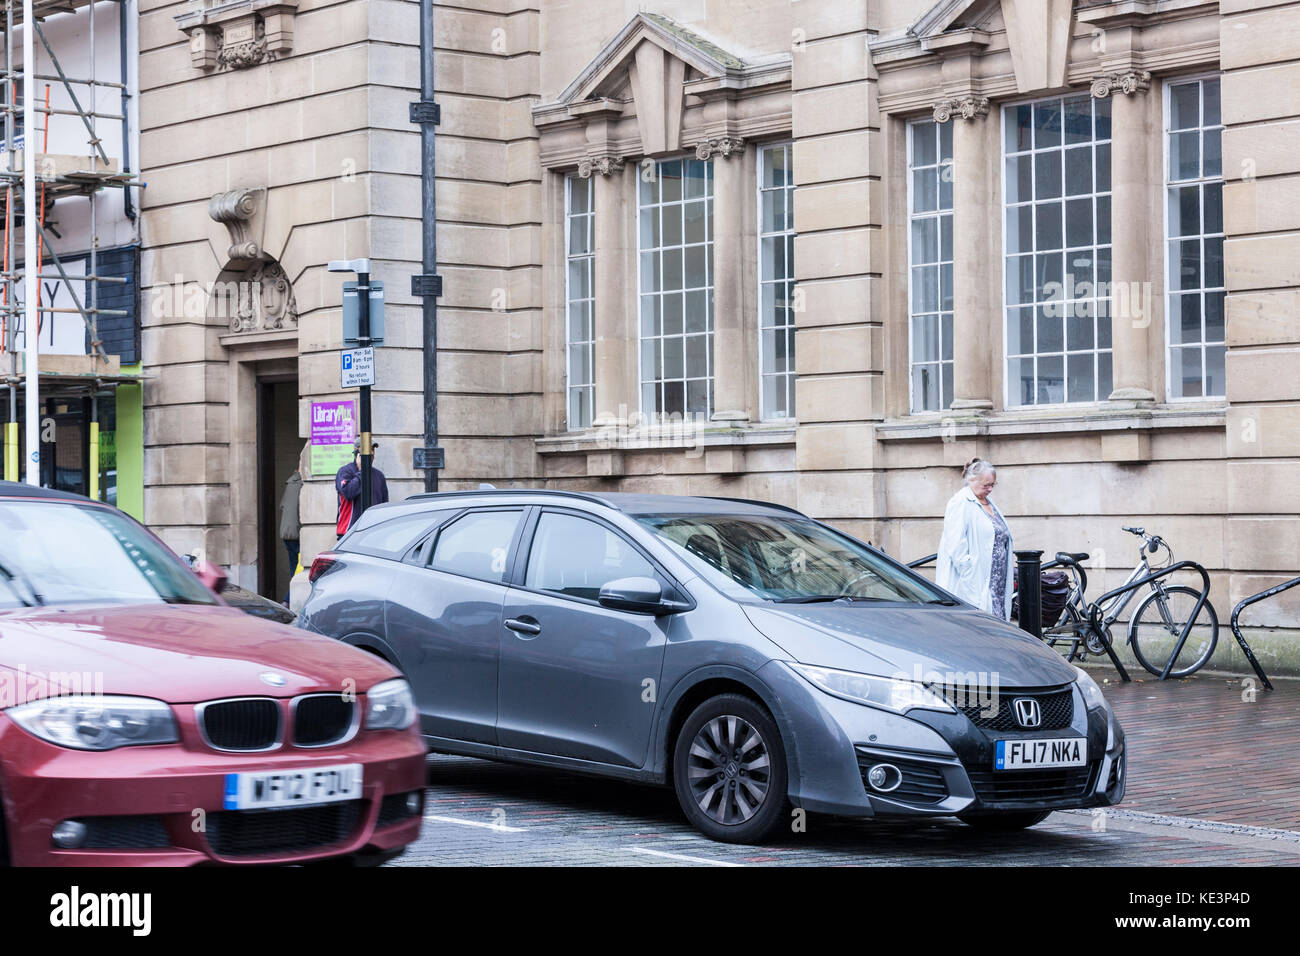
213 578
639 595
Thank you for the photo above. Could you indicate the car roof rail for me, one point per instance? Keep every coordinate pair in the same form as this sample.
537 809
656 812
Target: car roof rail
491 491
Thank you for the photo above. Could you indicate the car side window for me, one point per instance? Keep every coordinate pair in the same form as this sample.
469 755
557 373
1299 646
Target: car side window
476 544
576 557
392 538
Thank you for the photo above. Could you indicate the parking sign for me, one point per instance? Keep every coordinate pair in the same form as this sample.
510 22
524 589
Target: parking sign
358 367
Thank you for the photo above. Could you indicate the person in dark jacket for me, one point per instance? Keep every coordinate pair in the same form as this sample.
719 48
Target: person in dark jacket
290 522
348 484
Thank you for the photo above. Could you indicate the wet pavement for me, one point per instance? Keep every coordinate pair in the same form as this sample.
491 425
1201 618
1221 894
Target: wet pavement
1214 780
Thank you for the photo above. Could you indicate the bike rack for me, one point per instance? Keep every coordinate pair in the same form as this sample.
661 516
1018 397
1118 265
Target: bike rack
1094 611
1236 629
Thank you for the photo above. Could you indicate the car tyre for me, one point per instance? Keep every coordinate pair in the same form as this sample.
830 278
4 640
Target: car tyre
729 770
1005 821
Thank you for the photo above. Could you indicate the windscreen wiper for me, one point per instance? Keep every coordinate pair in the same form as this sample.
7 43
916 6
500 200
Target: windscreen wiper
12 576
826 598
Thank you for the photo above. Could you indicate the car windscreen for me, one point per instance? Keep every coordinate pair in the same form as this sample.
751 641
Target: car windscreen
68 553
788 559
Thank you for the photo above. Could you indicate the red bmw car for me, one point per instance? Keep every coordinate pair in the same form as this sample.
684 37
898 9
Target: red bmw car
144 722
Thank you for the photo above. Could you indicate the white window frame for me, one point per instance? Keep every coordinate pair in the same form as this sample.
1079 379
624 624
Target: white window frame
654 415
764 412
590 344
1166 118
1100 401
911 343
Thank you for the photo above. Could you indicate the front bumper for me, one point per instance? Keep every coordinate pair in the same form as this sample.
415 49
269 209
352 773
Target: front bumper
946 761
163 805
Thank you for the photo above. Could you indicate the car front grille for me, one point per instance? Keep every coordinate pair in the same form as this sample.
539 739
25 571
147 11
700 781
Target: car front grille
131 832
322 719
1055 703
922 782
234 833
997 786
241 724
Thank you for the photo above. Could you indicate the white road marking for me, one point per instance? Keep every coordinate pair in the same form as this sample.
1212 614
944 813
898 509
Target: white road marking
498 827
679 856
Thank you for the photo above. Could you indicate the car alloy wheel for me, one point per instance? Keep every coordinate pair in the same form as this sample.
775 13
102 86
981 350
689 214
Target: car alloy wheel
729 769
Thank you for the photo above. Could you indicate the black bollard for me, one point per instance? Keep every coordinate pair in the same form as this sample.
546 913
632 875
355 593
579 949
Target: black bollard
1029 568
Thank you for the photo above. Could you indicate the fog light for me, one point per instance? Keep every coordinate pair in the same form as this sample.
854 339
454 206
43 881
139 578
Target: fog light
68 835
884 777
413 802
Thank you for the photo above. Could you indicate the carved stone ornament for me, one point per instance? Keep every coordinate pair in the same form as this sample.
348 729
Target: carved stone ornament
1132 81
240 211
258 300
966 107
723 146
240 34
605 165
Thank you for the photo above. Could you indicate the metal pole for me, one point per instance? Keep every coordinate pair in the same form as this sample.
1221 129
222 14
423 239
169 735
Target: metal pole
363 340
31 267
429 256
1028 570
92 471
122 22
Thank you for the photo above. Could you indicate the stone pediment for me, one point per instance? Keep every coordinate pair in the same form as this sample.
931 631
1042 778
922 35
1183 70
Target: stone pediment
655 88
1037 34
611 71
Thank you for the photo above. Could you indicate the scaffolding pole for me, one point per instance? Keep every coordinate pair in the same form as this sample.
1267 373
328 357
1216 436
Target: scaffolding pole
31 337
63 177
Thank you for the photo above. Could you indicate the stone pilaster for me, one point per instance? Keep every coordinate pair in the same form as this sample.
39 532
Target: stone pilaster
973 314
731 352
1130 300
615 333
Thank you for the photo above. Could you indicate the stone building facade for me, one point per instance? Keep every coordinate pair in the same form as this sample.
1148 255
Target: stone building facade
817 252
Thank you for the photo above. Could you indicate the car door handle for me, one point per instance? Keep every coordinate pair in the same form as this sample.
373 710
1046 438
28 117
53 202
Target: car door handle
524 625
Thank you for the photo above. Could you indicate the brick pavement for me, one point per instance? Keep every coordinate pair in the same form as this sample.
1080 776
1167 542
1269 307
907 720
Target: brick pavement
1198 749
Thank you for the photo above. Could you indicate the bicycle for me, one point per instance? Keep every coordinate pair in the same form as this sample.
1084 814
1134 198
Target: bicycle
1155 627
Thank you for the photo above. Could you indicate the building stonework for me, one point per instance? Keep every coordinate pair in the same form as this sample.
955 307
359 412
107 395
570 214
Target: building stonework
540 101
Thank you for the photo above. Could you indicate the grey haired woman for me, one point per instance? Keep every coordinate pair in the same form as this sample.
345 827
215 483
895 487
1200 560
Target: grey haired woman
974 560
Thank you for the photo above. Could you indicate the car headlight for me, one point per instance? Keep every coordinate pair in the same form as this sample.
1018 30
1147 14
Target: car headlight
1092 695
97 722
390 706
890 693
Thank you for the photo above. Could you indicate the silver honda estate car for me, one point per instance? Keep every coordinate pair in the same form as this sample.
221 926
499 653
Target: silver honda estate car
751 658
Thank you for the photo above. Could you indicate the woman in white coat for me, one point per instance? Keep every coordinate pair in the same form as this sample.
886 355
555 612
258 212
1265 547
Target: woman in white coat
974 560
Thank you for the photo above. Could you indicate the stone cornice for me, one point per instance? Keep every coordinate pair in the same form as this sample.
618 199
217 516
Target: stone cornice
564 146
915 98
